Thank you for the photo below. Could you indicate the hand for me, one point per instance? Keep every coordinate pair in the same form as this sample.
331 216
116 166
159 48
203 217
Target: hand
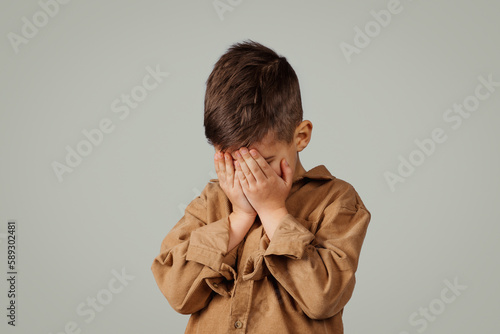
266 191
231 185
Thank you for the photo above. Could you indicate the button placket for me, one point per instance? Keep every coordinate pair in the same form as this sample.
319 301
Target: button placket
242 296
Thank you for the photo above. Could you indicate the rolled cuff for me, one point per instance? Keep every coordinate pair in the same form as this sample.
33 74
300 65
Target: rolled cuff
290 238
208 245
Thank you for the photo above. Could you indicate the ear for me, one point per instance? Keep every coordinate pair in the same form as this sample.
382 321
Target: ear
303 134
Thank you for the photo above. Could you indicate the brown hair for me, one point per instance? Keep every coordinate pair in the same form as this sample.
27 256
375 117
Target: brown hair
252 91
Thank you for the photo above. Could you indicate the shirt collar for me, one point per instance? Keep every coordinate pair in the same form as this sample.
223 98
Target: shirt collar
317 173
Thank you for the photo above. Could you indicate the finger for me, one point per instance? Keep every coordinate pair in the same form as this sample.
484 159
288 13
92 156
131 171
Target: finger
229 168
244 168
241 177
253 165
216 162
221 173
263 165
261 168
287 173
236 179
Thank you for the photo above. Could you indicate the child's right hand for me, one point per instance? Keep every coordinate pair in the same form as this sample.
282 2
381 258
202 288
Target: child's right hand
224 166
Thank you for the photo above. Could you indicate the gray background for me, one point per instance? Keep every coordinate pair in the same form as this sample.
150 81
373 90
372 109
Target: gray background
113 210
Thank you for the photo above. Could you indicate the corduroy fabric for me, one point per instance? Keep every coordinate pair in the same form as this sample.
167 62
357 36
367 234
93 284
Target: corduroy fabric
297 283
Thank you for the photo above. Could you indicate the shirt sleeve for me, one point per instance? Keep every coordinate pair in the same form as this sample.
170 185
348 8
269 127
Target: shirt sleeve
193 260
317 270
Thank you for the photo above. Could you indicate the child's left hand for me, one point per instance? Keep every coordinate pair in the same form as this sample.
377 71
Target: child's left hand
265 190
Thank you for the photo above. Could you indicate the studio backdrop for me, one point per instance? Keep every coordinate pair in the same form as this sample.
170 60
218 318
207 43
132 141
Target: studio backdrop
102 147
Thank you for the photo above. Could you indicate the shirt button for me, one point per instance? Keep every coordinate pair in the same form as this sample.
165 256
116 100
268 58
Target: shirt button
238 324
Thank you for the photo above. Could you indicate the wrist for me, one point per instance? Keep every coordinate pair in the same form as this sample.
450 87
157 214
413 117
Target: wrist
271 219
274 215
243 217
239 225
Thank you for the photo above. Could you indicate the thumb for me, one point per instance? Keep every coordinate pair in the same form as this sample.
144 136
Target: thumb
286 171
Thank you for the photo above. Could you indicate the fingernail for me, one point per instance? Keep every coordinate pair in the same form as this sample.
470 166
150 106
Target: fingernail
253 153
286 163
237 153
244 150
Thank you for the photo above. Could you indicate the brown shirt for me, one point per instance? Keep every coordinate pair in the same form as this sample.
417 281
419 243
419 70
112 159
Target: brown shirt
297 283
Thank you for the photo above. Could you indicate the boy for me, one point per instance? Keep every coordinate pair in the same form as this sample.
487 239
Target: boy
268 247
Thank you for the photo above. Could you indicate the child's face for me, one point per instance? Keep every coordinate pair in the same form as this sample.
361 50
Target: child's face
273 152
